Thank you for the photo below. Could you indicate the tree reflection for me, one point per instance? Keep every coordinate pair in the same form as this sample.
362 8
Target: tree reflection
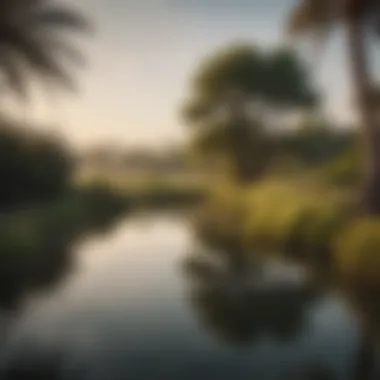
53 268
240 306
16 286
314 374
366 305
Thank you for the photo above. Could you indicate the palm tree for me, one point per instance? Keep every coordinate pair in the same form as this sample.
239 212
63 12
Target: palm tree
358 17
32 44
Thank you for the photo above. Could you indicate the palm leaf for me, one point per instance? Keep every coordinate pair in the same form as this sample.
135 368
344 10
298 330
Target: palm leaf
65 51
13 76
39 58
314 17
60 18
32 45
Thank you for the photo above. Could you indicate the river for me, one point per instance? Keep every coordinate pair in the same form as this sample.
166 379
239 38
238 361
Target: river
131 308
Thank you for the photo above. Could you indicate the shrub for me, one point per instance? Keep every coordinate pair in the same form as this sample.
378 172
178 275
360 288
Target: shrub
219 223
345 170
275 217
273 213
34 167
290 218
35 243
357 252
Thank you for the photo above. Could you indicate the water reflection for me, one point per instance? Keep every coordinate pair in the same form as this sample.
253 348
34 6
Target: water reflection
241 306
365 304
16 284
32 266
242 298
129 312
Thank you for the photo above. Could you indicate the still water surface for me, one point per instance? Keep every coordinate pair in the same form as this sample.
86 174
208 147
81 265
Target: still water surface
132 309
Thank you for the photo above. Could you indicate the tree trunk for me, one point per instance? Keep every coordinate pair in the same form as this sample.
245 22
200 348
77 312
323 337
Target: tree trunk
370 194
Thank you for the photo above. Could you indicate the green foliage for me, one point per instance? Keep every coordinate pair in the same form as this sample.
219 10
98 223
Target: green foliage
219 222
357 252
345 170
275 217
276 78
286 82
225 89
245 151
235 66
315 144
286 218
34 167
312 224
35 243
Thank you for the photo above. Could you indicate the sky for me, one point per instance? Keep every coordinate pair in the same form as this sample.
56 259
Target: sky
141 58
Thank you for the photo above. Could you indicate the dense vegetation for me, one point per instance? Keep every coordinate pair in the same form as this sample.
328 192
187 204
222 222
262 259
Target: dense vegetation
304 204
33 167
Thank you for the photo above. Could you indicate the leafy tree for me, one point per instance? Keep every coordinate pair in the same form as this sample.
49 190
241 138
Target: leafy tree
233 93
32 43
359 19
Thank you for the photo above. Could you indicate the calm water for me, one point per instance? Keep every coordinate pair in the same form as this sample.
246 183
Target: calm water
144 302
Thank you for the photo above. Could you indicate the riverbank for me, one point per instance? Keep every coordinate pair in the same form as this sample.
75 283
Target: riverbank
304 221
35 242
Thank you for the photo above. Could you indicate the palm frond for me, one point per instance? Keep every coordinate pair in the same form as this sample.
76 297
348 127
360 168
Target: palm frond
66 51
38 58
33 46
60 18
315 16
13 76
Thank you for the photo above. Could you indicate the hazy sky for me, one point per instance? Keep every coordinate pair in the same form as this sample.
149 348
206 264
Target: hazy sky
142 56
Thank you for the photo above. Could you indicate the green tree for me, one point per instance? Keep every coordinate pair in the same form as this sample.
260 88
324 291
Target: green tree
32 44
358 17
232 94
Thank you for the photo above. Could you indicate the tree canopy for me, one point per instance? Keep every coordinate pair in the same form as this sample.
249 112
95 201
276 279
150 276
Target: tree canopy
276 78
234 92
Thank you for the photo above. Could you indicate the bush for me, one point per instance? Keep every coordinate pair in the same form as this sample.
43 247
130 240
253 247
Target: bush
316 143
275 217
35 243
345 170
287 218
34 167
219 223
357 252
272 216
